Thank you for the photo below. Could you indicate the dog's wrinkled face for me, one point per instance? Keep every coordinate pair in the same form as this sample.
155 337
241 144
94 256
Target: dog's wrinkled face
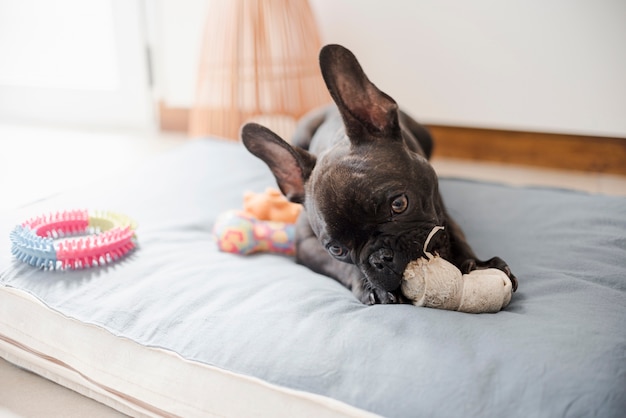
372 205
370 195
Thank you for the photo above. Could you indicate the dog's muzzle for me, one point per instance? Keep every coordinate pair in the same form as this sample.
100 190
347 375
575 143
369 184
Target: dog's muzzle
385 271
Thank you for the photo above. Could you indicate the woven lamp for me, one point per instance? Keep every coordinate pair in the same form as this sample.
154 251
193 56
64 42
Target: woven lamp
259 62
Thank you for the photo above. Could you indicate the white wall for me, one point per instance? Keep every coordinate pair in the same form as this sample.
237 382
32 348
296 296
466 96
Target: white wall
50 74
534 65
176 28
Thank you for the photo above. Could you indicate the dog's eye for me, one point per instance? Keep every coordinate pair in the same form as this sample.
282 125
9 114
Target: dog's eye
399 204
337 250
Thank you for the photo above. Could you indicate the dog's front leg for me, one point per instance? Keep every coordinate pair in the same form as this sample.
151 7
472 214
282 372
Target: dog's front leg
312 254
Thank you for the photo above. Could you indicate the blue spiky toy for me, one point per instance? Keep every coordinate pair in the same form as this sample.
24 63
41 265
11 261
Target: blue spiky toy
41 242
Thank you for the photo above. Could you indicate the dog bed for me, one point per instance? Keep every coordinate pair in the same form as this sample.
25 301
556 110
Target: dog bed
180 329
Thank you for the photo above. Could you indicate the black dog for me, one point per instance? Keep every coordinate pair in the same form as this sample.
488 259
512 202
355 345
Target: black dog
370 195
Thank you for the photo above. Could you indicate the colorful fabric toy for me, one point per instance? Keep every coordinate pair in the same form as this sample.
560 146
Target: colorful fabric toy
239 233
436 283
48 241
266 224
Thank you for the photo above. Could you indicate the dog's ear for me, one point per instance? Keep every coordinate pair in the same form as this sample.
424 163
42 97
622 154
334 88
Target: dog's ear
364 108
291 166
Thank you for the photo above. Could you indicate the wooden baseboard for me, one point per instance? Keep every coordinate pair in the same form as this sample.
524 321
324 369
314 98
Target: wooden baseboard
558 151
173 119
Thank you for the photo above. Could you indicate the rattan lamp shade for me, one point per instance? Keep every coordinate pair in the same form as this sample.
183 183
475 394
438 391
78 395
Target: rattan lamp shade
259 59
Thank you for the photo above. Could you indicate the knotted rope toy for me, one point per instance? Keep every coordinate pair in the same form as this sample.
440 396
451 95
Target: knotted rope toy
436 283
50 241
271 205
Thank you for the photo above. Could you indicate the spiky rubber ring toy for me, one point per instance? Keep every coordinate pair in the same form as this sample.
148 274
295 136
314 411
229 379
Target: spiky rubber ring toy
74 239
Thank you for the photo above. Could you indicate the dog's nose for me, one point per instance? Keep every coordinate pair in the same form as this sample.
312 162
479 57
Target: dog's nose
381 259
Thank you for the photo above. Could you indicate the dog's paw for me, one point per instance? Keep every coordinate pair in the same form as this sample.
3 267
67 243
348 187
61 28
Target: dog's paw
470 265
375 296
379 296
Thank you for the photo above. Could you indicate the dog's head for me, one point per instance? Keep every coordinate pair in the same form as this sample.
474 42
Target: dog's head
372 197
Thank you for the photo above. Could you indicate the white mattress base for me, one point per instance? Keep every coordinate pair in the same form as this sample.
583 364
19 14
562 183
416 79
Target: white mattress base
138 380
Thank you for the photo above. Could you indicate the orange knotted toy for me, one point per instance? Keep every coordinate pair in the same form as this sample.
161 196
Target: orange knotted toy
271 206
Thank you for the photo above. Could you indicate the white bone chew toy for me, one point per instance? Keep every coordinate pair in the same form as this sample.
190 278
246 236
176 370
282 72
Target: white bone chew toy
437 283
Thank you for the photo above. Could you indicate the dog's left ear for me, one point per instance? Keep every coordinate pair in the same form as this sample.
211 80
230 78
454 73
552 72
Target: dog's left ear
364 108
291 166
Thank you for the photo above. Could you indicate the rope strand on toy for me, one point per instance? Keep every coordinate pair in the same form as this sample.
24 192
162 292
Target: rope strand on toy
430 236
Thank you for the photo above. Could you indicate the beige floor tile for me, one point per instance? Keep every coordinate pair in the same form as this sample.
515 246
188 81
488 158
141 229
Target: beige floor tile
519 175
26 395
613 185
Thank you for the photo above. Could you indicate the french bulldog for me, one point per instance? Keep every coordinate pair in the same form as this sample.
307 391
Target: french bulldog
361 170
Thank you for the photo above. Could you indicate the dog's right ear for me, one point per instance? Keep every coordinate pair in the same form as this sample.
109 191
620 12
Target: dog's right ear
291 166
363 107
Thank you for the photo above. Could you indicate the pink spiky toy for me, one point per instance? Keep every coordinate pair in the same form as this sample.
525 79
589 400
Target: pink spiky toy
50 242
